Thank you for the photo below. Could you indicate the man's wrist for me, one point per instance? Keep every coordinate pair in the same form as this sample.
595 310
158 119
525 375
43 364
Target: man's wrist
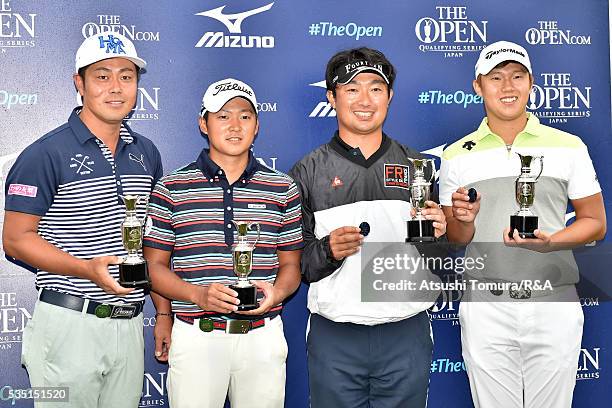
329 256
197 292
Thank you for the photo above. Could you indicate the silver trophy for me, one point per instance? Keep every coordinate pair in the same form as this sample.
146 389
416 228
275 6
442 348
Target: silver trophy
421 229
133 271
524 220
242 256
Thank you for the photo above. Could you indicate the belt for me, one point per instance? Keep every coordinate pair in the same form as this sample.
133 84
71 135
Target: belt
101 310
232 326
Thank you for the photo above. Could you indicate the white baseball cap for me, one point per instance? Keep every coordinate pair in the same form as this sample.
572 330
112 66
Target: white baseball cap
498 52
106 45
220 92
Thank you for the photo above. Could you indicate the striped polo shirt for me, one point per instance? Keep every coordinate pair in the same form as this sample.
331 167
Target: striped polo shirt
483 161
71 180
191 212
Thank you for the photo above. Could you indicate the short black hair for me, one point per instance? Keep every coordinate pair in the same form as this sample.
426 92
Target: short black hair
362 53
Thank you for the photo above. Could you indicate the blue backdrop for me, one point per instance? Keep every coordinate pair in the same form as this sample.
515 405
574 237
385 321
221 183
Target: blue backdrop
281 49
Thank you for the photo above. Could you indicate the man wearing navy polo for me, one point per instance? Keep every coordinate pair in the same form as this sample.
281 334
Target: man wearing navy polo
63 218
216 351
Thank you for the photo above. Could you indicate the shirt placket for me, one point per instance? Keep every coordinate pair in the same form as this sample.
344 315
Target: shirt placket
228 206
108 155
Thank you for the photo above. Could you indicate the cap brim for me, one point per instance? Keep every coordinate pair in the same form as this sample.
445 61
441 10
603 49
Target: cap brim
216 107
139 62
491 65
349 77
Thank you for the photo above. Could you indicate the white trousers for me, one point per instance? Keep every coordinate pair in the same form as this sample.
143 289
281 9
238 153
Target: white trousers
521 354
204 368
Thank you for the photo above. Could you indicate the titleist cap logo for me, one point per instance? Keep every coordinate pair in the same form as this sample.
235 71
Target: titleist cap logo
231 86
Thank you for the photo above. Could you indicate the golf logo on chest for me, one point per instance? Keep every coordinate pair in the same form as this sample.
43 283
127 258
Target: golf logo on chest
82 164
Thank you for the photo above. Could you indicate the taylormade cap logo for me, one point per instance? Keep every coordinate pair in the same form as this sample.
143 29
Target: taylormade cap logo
510 50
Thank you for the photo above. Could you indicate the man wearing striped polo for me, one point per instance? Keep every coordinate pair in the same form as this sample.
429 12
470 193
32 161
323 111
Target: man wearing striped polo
216 350
63 218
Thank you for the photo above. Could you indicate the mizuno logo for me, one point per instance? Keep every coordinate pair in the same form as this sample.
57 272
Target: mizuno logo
233 21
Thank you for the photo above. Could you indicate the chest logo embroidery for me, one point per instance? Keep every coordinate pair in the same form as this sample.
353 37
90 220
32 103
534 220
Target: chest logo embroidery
469 145
82 164
139 160
397 175
336 182
256 206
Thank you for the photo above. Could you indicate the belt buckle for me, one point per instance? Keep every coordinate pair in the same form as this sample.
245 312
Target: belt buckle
237 326
123 311
103 311
520 294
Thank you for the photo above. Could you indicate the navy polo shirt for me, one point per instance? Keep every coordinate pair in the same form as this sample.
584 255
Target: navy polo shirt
191 212
71 180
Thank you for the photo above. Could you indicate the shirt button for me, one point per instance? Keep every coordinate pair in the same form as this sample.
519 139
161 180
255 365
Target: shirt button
118 183
220 172
229 208
229 225
229 191
244 181
354 153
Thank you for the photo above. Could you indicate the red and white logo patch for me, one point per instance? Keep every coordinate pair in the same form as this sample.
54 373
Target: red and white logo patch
22 190
397 175
336 182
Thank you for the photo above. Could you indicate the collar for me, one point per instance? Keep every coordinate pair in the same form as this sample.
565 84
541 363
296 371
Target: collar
354 155
210 169
531 127
83 134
